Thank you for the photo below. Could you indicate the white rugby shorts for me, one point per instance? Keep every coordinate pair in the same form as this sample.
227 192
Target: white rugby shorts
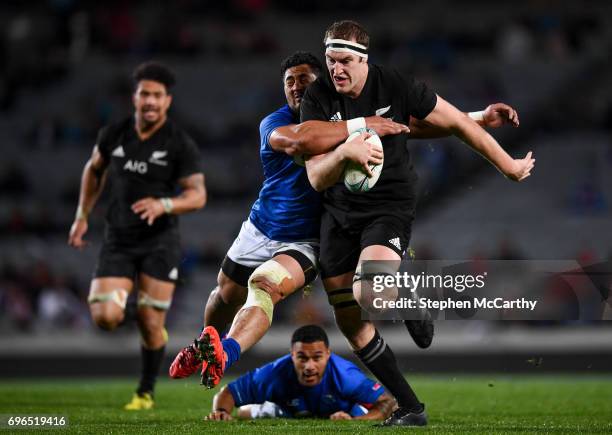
252 248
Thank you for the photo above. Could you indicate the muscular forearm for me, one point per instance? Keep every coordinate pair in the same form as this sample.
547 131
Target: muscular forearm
315 137
447 117
420 129
190 199
223 401
319 137
373 414
92 183
325 170
381 409
484 144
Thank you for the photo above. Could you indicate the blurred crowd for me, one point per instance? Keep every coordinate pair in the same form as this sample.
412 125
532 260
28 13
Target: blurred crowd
51 44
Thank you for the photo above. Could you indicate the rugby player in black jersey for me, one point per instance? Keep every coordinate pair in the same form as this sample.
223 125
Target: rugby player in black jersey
376 225
145 157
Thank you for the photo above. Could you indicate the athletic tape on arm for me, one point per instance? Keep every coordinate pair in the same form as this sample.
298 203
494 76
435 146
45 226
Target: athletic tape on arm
258 297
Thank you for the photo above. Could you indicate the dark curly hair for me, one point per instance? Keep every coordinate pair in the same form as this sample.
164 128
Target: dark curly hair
309 334
301 58
156 72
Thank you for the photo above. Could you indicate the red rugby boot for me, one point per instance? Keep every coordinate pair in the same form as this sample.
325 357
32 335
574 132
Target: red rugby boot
213 357
187 361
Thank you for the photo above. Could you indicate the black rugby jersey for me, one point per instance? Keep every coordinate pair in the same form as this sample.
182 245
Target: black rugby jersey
138 169
389 94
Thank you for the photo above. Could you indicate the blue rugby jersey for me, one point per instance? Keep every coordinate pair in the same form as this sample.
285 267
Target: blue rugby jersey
343 388
288 208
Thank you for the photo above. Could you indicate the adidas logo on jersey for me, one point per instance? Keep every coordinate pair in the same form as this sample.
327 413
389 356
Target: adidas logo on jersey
336 118
396 242
118 152
173 274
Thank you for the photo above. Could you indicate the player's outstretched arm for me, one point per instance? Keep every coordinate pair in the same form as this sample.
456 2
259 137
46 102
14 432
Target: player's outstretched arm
191 198
324 170
493 116
92 184
318 137
223 405
310 137
382 408
447 117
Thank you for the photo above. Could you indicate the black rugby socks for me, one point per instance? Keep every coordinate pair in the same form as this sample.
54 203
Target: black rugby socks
380 360
151 363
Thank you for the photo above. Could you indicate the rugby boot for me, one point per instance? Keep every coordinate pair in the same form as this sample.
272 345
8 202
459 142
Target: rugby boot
187 361
403 417
421 330
140 402
213 357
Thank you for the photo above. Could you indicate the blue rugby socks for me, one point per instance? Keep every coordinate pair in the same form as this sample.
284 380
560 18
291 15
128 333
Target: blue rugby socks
232 350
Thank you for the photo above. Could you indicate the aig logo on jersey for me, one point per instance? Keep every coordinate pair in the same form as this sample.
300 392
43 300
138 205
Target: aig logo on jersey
138 166
135 166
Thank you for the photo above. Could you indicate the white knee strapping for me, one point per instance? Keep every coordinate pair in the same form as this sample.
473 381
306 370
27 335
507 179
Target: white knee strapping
257 297
119 296
145 300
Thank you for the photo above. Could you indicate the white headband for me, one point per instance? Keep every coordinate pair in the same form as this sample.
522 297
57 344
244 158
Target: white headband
344 46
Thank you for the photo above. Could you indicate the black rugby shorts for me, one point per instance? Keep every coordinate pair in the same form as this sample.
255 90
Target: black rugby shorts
340 247
156 255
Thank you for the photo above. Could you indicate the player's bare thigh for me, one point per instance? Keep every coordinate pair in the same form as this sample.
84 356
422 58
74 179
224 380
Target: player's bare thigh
357 331
107 299
391 265
229 290
154 301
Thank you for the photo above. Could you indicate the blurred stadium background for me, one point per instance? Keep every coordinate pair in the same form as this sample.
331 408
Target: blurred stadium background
65 68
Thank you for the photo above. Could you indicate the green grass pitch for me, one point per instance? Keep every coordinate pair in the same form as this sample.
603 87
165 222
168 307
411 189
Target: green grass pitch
461 404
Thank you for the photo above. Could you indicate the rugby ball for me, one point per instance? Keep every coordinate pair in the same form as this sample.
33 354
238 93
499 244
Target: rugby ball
355 179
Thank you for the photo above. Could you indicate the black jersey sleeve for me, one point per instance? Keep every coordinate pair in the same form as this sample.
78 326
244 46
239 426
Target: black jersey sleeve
103 142
419 100
110 136
189 159
311 107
